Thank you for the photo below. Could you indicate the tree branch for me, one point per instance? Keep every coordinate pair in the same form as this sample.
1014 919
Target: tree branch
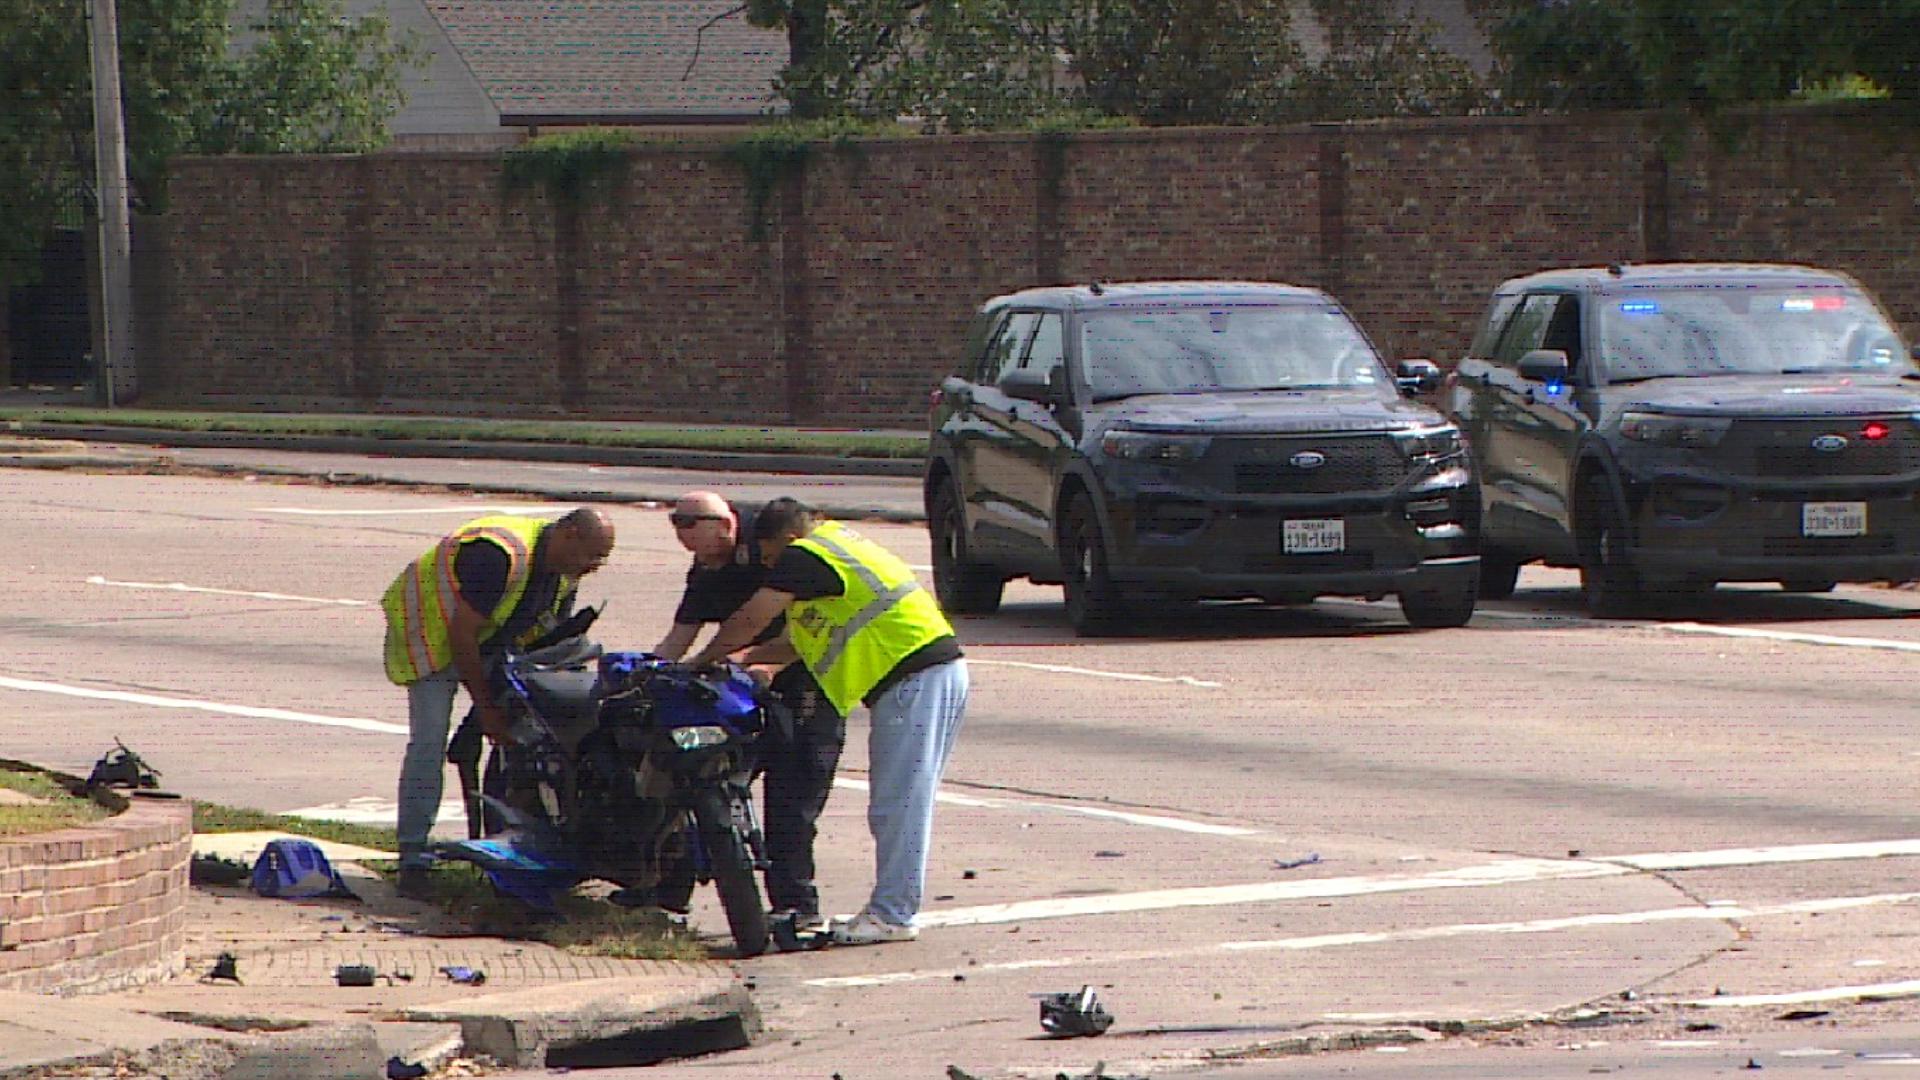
695 59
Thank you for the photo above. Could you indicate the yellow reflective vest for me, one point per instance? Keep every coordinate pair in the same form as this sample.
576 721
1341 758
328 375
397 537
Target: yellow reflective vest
882 616
420 602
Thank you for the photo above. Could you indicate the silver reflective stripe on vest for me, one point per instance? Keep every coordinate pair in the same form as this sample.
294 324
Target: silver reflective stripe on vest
883 601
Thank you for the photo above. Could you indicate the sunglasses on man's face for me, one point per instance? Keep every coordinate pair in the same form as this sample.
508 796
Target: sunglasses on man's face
688 521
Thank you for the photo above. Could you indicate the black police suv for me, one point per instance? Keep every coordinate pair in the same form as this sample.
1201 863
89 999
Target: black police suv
1142 443
1668 427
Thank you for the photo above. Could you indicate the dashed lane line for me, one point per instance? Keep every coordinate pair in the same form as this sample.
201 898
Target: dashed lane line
1504 872
1712 912
1761 856
1157 821
1794 636
1870 992
180 586
1123 676
397 511
354 723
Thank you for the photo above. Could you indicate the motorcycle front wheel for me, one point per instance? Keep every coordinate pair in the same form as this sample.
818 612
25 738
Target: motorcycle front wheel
732 866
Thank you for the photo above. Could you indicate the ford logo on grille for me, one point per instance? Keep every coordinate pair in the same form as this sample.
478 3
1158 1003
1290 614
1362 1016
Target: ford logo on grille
1307 459
1830 444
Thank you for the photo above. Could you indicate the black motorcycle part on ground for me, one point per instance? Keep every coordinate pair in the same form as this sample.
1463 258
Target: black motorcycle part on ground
732 867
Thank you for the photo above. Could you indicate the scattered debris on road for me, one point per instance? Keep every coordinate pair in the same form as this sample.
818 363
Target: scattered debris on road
1308 859
1071 1015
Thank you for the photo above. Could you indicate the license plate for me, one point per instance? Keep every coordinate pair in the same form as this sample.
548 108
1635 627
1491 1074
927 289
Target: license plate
1314 536
1833 519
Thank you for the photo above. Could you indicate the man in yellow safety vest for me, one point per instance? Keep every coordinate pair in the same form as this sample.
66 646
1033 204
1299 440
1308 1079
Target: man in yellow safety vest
494 582
870 634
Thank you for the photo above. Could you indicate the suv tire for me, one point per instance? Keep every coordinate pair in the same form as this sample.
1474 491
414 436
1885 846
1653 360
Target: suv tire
1441 601
1095 605
1499 574
963 586
1608 582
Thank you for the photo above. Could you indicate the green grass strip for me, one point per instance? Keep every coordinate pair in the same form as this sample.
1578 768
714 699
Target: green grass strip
779 440
214 818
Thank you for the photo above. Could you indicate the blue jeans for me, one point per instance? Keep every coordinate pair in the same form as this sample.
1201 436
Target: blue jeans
423 771
913 728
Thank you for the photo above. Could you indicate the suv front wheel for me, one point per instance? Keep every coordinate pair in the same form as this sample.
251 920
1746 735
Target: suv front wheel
1441 600
964 587
1094 603
1608 580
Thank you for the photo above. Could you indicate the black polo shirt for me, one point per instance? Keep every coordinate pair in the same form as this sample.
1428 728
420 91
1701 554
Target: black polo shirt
480 573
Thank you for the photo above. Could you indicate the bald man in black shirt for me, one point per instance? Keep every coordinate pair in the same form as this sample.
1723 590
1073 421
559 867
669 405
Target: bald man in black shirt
726 570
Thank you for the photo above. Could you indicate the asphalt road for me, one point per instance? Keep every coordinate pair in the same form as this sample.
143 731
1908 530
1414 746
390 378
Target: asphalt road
1245 826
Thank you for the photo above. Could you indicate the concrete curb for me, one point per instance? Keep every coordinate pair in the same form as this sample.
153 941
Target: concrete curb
724 461
842 511
520 1029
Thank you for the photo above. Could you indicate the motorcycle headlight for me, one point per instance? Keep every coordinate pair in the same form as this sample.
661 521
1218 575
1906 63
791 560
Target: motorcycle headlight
695 738
1433 444
1159 449
1661 430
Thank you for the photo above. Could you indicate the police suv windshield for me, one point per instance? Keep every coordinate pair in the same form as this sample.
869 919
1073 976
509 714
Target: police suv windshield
1227 347
1738 330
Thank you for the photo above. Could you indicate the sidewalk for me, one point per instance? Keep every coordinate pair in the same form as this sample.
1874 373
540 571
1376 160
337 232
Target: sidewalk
288 1018
370 462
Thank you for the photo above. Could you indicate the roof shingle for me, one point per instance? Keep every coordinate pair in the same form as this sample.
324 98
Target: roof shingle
614 58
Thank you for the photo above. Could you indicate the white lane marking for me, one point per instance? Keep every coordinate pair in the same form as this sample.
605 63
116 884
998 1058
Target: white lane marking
1795 636
1428 933
1873 991
180 586
371 810
1504 872
469 508
352 722
1124 676
1703 860
1156 821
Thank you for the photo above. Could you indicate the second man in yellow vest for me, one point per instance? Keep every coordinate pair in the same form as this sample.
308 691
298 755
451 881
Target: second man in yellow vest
869 633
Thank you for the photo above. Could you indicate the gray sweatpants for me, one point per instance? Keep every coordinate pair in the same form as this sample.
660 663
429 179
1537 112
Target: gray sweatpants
913 727
423 771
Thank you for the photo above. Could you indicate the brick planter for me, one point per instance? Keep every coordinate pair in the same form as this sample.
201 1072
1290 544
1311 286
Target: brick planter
100 907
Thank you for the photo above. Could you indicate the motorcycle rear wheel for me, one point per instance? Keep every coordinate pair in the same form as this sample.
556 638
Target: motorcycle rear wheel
732 867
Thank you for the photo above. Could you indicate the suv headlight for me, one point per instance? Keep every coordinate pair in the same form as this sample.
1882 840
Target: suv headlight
1160 449
1662 430
1431 444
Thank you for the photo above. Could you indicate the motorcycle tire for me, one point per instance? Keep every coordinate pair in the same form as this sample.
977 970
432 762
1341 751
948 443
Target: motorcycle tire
732 867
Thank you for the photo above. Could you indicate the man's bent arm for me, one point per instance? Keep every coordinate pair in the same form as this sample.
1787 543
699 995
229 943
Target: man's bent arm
678 641
777 652
464 636
743 626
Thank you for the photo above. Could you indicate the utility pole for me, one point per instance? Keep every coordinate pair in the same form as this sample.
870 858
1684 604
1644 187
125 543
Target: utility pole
115 349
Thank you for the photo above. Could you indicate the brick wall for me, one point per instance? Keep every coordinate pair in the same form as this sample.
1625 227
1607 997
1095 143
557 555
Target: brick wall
99 907
416 282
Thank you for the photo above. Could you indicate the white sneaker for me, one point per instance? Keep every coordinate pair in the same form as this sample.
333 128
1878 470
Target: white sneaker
867 928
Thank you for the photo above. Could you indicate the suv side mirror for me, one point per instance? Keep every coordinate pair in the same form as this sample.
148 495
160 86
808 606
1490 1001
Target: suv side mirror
1546 366
1025 384
1416 376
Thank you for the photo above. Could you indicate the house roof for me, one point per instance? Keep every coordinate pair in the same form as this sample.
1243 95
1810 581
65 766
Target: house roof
555 61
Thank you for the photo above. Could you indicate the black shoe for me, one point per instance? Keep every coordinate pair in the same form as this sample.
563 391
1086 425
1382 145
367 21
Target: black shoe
414 883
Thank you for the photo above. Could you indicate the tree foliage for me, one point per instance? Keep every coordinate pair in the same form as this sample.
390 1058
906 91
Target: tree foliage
311 80
983 64
1701 54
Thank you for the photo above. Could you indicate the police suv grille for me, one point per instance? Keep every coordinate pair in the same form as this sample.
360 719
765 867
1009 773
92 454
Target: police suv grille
1351 464
1783 449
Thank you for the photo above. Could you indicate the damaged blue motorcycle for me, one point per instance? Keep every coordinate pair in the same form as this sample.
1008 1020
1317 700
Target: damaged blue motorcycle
622 767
